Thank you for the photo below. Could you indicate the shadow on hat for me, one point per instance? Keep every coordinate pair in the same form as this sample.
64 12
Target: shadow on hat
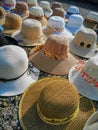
92 122
32 3
12 23
54 57
54 104
56 5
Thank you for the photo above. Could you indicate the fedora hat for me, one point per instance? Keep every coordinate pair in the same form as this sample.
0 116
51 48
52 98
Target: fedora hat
92 122
37 13
54 104
85 77
30 34
2 16
56 5
15 76
32 3
12 23
54 56
84 43
46 8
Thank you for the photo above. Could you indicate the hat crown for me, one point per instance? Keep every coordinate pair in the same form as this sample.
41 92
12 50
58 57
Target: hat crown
73 10
56 5
32 2
13 62
92 16
59 12
44 4
59 101
36 11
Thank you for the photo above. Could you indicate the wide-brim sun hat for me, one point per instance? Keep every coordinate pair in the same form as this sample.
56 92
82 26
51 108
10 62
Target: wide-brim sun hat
13 80
30 113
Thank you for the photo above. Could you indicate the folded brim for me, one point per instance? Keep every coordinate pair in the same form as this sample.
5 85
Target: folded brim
30 120
18 86
84 88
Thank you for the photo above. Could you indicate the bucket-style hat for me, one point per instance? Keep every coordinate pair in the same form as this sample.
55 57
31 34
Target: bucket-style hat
2 16
12 23
85 77
32 3
54 56
56 5
92 122
53 104
75 23
15 74
37 13
84 43
46 8
30 34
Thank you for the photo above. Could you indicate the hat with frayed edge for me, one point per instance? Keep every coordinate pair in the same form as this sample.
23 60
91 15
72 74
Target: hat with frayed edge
56 5
53 104
92 122
30 34
12 23
9 4
84 43
2 16
85 77
15 73
54 56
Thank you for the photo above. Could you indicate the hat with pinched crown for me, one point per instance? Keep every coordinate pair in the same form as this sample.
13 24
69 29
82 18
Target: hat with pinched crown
54 104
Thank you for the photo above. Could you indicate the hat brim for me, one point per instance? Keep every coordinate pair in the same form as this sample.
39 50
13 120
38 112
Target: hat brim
83 87
9 32
30 120
51 65
18 86
23 42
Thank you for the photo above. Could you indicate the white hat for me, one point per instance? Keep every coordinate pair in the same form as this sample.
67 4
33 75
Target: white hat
92 16
15 75
9 4
84 43
85 77
75 23
92 122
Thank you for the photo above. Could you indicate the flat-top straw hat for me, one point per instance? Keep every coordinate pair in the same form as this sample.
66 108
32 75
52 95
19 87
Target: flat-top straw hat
53 104
54 56
2 16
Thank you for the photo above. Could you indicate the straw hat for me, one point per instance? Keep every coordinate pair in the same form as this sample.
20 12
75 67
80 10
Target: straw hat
32 3
92 122
12 23
2 16
37 13
54 57
9 4
56 5
84 43
46 8
30 34
56 25
54 104
15 76
86 78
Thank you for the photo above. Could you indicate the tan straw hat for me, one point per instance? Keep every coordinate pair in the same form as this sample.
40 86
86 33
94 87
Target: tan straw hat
54 56
2 16
56 5
12 23
32 3
53 104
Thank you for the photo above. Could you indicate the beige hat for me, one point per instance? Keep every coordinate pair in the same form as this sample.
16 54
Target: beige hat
54 57
32 3
37 13
59 12
56 5
2 16
12 23
30 34
53 104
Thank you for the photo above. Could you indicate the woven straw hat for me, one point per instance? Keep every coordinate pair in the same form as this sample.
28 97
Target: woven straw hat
32 3
56 5
54 104
46 8
92 122
86 78
12 23
54 56
37 13
2 16
30 34
15 75
59 12
9 4
84 43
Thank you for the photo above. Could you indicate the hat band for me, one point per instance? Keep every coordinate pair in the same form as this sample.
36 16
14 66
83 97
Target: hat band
9 4
55 121
89 79
36 17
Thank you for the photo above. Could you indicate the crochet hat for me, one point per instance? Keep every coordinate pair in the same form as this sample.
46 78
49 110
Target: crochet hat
12 23
85 77
74 24
46 8
92 122
37 13
30 34
56 5
15 75
9 4
53 104
54 56
2 16
32 3
84 43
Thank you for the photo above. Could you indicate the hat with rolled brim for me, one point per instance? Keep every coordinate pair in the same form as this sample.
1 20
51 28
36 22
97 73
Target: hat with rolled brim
84 88
18 86
92 122
24 42
29 118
